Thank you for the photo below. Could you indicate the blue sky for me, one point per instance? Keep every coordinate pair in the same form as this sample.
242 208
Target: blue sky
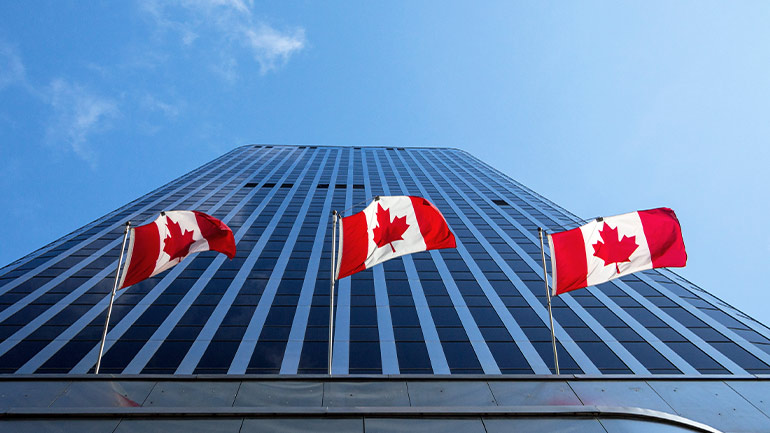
603 107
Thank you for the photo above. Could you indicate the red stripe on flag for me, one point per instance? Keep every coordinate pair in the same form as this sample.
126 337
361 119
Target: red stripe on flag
144 254
569 257
433 226
217 234
664 237
355 245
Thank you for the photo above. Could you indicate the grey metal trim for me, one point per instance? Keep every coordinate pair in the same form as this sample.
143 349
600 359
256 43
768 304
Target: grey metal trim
42 356
250 338
293 352
436 354
388 354
522 341
628 377
578 412
574 350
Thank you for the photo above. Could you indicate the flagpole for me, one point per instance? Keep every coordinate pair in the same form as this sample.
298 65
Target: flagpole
331 290
548 295
112 297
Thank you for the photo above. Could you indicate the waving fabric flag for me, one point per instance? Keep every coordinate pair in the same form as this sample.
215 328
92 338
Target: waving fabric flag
391 226
163 243
608 248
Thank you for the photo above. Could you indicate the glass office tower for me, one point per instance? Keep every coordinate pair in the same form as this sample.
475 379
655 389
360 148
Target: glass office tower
476 309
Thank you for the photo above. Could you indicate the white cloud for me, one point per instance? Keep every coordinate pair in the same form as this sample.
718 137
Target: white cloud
78 114
272 48
152 103
229 22
11 68
156 10
236 5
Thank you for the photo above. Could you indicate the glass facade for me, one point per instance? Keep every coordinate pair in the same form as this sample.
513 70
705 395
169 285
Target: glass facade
477 309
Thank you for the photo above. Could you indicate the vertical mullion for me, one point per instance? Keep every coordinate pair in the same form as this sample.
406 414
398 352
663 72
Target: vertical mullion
250 338
388 354
341 346
524 344
194 353
291 357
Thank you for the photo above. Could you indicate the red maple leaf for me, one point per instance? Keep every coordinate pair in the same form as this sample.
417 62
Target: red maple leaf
388 231
177 244
614 250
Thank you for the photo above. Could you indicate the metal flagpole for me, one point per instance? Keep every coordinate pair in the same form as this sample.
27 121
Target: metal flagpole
548 294
331 289
112 298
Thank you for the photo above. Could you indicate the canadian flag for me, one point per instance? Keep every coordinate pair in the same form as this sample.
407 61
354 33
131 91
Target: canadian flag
608 248
163 243
391 226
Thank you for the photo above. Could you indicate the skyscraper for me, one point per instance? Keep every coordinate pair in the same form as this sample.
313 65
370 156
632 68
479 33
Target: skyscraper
478 309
